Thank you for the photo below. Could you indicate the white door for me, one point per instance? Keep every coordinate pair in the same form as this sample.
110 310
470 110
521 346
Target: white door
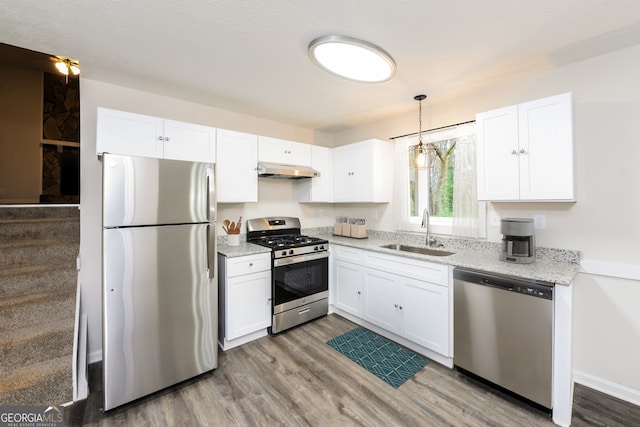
546 149
425 314
382 305
188 141
343 174
248 304
237 159
276 150
497 154
349 287
120 132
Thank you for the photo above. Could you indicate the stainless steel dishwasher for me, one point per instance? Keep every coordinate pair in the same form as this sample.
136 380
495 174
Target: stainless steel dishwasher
503 332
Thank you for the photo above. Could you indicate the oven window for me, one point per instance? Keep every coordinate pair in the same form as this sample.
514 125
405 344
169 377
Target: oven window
299 280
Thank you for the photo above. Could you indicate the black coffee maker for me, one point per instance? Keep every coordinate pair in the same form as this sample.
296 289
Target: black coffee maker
518 241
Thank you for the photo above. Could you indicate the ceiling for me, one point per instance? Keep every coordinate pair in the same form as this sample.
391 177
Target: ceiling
250 56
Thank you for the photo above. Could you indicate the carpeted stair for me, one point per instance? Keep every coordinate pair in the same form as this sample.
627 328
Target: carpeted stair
38 278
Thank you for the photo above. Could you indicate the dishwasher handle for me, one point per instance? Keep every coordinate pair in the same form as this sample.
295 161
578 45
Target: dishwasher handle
529 287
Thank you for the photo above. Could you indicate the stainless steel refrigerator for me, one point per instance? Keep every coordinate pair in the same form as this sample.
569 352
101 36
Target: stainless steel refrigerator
159 286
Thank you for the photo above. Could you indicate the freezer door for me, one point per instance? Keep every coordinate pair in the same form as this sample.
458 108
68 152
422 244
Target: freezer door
146 191
159 309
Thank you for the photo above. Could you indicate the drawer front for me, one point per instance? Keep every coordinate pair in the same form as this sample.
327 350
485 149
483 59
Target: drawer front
248 264
346 253
408 267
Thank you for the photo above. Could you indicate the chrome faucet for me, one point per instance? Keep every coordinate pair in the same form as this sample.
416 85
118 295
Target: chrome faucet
426 219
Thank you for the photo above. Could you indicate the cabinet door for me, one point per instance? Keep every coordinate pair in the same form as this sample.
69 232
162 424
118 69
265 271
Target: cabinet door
425 314
343 174
363 172
349 287
546 149
362 177
318 189
276 150
237 158
188 141
497 154
119 132
248 304
382 306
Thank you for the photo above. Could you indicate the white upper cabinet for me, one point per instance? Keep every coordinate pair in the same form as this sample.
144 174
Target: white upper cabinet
121 132
363 172
188 141
525 151
318 189
237 155
275 150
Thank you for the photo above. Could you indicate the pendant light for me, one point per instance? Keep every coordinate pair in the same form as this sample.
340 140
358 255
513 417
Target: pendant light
422 153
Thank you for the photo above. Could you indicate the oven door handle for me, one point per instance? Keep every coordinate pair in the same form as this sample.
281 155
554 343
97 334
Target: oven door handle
300 258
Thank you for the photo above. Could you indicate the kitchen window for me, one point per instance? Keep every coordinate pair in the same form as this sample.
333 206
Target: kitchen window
447 188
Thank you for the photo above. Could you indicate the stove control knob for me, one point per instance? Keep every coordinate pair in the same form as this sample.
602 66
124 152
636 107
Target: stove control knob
284 253
315 248
290 251
322 247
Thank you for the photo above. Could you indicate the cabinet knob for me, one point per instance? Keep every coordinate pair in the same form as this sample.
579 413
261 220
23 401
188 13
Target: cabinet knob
160 138
250 264
359 292
166 138
269 299
400 307
522 151
395 305
514 152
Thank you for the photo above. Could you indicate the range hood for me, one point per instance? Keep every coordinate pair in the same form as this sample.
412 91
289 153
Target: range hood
282 171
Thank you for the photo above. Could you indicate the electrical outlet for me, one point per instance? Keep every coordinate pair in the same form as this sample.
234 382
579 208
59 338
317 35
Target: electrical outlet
540 221
494 219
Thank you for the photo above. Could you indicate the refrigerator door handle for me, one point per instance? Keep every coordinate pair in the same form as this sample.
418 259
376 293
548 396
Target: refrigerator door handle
212 256
211 195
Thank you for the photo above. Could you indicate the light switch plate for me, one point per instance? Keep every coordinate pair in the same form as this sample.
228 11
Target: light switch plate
540 221
494 219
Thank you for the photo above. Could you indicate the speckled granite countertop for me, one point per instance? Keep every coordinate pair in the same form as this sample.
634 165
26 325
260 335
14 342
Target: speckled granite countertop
559 266
551 265
241 250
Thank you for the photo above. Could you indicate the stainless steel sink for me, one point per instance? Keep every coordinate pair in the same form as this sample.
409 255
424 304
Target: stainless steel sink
417 249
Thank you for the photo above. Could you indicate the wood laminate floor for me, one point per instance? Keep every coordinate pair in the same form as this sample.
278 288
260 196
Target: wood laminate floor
295 379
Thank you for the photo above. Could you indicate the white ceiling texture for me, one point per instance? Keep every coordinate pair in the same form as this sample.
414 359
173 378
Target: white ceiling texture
250 56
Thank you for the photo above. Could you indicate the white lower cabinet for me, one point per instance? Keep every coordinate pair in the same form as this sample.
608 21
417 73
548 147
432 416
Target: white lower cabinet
245 298
382 299
407 297
349 289
424 315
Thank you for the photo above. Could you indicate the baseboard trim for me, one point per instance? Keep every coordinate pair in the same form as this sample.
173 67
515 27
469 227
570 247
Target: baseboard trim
608 387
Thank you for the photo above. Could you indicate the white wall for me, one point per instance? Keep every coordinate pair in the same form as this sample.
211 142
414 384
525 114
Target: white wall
276 196
604 222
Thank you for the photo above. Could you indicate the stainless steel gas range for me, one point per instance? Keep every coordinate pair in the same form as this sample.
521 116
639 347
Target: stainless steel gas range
299 270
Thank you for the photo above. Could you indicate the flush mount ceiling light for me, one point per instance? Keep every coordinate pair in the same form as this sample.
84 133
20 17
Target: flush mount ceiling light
352 58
